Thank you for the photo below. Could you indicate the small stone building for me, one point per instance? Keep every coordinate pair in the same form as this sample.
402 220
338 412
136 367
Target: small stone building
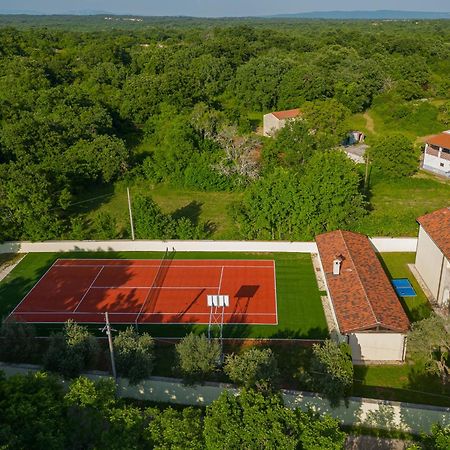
274 121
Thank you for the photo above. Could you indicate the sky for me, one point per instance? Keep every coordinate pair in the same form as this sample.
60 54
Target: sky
213 8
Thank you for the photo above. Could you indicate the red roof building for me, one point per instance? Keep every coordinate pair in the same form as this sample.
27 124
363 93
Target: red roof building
362 296
436 156
288 114
275 121
440 140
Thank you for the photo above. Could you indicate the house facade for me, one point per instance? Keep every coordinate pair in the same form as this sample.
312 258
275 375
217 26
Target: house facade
275 121
437 154
433 254
367 312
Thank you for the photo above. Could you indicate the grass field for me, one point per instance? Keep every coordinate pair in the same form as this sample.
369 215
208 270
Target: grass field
396 266
300 313
396 204
210 207
403 383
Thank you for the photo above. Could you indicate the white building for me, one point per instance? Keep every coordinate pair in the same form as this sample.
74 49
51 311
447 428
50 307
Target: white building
437 154
274 121
433 254
366 309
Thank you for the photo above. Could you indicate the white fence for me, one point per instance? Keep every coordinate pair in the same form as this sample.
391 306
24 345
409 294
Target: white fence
381 244
359 411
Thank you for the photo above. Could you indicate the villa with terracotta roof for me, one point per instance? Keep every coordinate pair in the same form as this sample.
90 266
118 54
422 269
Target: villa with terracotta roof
433 254
366 309
274 121
437 154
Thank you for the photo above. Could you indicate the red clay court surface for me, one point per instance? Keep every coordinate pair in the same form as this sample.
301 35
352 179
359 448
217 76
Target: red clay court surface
151 291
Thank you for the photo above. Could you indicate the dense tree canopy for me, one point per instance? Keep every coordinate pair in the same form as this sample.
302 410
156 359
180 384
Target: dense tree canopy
39 414
80 110
394 155
255 420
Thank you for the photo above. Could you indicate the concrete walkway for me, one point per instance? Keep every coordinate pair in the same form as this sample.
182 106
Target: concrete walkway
7 267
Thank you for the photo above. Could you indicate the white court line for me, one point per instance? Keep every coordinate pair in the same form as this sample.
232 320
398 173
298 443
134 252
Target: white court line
275 290
84 295
80 313
154 287
37 282
171 266
170 323
149 259
220 281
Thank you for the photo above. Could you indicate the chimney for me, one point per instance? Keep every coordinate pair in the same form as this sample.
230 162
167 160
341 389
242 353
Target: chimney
337 265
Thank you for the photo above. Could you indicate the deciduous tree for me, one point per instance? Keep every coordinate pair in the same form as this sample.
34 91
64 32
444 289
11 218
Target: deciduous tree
197 356
253 367
332 370
394 155
429 343
330 194
71 351
134 354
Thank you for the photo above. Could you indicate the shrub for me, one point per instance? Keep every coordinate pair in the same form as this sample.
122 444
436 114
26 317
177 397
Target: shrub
197 355
71 351
134 354
254 367
19 344
332 370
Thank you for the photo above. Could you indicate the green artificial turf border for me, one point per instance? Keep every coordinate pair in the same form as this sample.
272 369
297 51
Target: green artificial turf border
300 313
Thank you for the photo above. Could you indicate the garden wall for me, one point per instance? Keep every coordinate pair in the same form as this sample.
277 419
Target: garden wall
381 245
359 411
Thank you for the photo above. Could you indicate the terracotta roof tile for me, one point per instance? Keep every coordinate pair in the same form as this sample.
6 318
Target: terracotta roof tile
362 295
288 114
441 140
437 226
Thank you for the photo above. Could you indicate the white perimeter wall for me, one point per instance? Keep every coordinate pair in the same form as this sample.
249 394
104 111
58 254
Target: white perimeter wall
428 261
377 346
380 244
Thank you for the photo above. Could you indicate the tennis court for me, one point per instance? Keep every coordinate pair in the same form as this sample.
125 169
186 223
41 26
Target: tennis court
151 291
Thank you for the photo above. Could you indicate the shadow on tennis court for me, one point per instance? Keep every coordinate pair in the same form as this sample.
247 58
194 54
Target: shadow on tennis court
149 304
246 291
189 306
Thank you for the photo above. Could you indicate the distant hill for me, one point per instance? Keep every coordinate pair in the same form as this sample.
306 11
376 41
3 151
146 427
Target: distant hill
367 15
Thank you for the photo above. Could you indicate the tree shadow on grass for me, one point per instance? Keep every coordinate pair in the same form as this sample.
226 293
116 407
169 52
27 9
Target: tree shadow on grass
192 211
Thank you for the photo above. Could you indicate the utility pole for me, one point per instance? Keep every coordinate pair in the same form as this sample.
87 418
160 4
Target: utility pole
108 330
131 214
366 178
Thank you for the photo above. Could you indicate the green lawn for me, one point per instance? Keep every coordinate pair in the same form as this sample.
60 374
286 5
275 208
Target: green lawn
211 207
300 312
396 266
403 383
414 118
396 204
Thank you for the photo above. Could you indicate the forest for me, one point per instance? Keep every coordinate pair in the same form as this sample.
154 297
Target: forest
173 111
